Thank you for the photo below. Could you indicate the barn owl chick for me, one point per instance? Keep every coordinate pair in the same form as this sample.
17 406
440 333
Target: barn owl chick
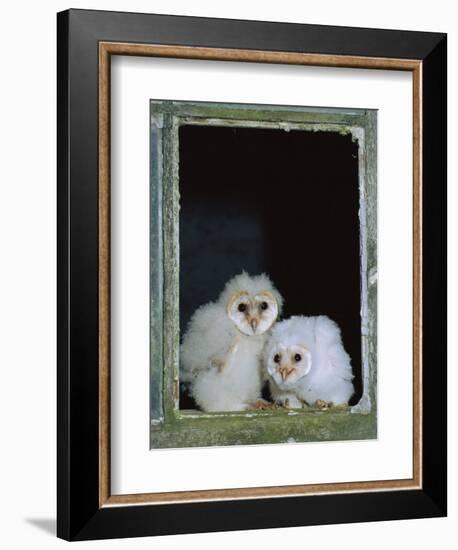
307 363
222 347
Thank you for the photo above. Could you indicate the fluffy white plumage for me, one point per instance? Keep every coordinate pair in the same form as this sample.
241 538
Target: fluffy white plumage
222 348
306 362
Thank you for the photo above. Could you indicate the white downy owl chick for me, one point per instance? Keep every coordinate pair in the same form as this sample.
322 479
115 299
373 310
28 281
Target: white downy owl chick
222 348
307 363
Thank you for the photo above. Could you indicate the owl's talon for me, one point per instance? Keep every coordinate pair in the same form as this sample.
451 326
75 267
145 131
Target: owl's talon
262 405
323 405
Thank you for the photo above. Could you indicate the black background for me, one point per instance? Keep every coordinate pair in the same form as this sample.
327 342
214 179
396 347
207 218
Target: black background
283 203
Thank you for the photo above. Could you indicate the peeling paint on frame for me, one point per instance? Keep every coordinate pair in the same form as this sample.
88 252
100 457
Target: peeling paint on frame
171 427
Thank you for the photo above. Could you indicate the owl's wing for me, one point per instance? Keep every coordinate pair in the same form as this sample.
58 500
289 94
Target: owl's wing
207 341
330 340
340 362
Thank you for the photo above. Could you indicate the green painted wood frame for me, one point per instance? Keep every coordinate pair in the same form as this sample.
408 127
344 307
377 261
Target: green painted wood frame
172 427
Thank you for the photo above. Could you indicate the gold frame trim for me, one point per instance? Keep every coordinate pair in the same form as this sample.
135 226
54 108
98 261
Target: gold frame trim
106 50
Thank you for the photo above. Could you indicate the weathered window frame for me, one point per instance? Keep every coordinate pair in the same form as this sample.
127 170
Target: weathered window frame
172 427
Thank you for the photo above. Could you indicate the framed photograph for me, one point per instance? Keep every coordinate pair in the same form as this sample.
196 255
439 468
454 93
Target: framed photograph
252 269
219 183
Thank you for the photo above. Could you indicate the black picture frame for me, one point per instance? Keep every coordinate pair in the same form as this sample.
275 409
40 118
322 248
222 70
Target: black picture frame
80 517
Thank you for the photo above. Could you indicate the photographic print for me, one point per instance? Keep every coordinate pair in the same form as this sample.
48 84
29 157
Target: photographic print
263 245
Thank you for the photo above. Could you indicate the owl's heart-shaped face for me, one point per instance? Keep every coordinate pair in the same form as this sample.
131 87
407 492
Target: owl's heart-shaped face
288 364
253 315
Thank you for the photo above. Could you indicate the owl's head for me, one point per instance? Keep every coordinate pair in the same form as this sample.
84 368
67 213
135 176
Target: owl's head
252 303
286 357
288 364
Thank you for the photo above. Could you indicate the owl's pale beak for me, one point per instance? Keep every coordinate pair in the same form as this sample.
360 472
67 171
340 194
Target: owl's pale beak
254 324
285 372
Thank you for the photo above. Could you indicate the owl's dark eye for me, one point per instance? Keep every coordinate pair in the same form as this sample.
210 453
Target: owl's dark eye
297 357
242 307
264 305
277 358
